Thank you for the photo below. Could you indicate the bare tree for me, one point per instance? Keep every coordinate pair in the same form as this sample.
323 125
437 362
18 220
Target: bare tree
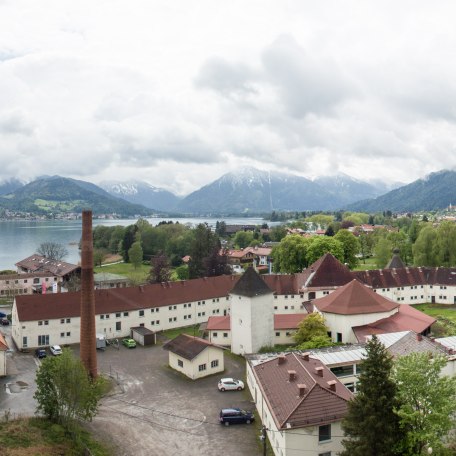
52 250
160 270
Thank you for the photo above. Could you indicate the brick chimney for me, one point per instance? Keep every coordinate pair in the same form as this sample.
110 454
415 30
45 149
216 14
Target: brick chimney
305 356
332 385
419 337
319 371
88 350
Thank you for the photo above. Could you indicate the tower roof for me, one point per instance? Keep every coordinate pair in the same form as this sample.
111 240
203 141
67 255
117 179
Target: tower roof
395 262
328 271
250 284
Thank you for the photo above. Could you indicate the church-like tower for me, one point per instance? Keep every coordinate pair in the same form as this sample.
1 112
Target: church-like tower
88 349
252 314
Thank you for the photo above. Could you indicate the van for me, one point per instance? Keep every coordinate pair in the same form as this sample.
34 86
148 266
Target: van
235 416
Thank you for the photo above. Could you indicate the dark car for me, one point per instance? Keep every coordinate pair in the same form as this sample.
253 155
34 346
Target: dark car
2 315
235 416
4 321
40 353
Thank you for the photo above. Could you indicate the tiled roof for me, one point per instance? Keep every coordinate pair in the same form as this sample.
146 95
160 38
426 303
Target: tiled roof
189 347
3 343
250 284
412 342
288 321
39 263
406 319
395 262
315 404
219 323
285 284
281 321
24 275
353 299
66 305
326 272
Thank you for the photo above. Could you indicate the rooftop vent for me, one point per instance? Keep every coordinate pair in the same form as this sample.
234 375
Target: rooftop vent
419 337
291 375
332 385
281 359
305 356
319 371
302 389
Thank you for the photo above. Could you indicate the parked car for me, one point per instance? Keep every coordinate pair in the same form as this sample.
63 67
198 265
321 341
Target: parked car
235 416
129 343
40 353
4 321
230 384
55 350
2 315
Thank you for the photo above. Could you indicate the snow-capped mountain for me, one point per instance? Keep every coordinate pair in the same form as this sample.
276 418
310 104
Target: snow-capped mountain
142 193
251 190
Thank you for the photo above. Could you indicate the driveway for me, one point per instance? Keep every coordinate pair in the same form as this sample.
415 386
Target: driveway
157 411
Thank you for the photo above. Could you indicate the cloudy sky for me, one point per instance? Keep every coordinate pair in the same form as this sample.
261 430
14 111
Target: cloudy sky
178 93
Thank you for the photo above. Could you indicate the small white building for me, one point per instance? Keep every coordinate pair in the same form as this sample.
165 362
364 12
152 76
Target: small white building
194 357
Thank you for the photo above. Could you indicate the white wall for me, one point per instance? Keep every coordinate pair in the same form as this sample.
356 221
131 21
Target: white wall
191 368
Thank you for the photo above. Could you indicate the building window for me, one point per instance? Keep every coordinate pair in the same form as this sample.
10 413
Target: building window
214 363
157 322
175 319
118 315
43 340
324 433
189 304
277 334
101 317
326 453
286 307
225 334
118 325
174 307
185 317
180 363
170 308
170 320
68 320
202 367
125 314
214 334
24 342
342 371
275 307
46 322
62 321
68 334
62 334
141 313
339 337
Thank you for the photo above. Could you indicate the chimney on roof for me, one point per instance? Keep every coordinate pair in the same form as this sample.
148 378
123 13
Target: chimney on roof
419 337
302 389
319 371
281 359
332 385
291 375
305 356
141 289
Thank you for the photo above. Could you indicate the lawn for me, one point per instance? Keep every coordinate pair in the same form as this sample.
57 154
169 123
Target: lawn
172 333
445 315
137 276
366 264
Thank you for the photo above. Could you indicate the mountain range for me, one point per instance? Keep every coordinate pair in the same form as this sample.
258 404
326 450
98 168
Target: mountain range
246 191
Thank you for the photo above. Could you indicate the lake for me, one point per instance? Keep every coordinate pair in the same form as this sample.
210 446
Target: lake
21 238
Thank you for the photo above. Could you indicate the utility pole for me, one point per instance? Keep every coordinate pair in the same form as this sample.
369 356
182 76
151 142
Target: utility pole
263 438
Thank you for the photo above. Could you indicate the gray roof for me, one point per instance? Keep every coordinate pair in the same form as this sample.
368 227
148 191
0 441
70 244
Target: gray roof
250 284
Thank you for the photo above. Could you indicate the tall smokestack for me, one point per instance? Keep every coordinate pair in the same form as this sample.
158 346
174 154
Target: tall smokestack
88 351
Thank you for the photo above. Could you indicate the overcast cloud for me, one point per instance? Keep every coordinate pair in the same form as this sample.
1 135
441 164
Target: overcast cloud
177 93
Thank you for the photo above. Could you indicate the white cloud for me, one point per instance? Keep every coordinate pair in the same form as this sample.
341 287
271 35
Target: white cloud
178 93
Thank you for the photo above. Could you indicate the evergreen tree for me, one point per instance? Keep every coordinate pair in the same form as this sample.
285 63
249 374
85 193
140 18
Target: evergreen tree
371 425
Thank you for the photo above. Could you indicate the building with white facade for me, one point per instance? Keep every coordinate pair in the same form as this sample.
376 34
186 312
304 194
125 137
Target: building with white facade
194 357
300 401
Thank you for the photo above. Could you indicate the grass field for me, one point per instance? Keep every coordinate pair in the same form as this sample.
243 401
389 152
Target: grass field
137 276
445 315
367 264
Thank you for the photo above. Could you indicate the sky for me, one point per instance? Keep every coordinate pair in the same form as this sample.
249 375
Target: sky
179 92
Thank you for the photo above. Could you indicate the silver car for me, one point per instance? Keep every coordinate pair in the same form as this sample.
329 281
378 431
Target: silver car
226 384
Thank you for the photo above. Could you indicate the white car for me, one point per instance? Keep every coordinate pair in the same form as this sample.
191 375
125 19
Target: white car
55 350
230 384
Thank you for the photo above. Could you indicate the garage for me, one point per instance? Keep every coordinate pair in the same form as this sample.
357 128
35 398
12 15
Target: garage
143 336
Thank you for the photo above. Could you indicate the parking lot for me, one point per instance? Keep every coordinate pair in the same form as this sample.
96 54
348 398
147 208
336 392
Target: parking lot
154 410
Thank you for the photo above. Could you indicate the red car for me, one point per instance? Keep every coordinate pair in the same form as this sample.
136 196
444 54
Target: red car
4 321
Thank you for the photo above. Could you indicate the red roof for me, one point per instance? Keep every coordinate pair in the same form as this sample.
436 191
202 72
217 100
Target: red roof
218 323
189 347
354 298
406 319
3 343
281 321
288 321
39 263
322 399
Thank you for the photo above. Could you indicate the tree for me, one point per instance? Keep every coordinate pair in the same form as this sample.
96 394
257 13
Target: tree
65 392
445 245
290 255
182 272
310 327
319 245
160 270
242 239
427 402
98 256
350 245
52 250
202 247
128 239
135 254
216 263
371 425
383 252
424 249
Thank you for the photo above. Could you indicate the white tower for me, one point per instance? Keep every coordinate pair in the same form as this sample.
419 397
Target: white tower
252 314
